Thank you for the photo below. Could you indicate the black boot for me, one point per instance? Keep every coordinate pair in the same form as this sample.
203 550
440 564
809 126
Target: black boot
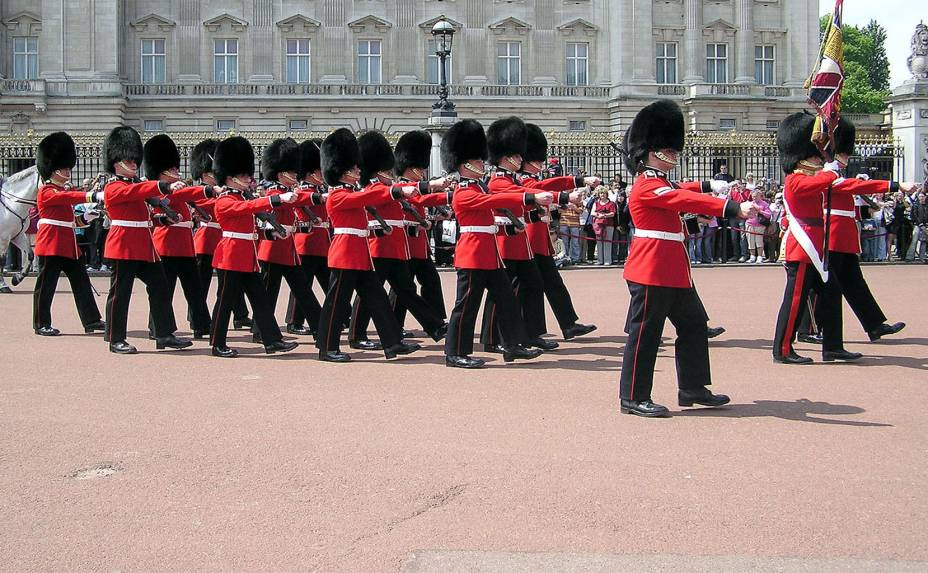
401 348
792 358
519 352
98 326
224 352
832 355
440 332
542 344
239 323
171 341
645 408
463 362
578 329
884 330
365 345
493 348
279 346
702 397
122 347
713 331
200 334
47 331
299 330
333 356
809 338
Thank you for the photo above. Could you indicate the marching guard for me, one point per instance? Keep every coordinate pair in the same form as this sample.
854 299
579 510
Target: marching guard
389 247
174 239
477 256
349 253
538 225
236 255
55 241
413 155
208 233
658 269
808 182
129 244
280 164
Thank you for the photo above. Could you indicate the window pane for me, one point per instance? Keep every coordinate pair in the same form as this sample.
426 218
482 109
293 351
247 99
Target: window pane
502 71
232 46
219 47
219 75
758 52
146 70
671 50
291 46
672 72
514 73
571 73
515 49
375 47
159 46
232 62
19 45
758 71
502 49
710 50
19 68
375 70
721 50
723 71
292 71
146 47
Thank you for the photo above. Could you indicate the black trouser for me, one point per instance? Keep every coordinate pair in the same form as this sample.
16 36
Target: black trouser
471 285
556 291
342 283
395 272
46 283
314 267
845 269
117 302
800 279
529 291
650 306
205 268
232 286
299 287
426 274
185 269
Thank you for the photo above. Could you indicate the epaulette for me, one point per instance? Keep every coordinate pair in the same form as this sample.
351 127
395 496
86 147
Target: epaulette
654 173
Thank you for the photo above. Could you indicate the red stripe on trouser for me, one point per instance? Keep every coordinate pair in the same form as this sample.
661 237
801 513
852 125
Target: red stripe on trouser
470 286
644 316
786 346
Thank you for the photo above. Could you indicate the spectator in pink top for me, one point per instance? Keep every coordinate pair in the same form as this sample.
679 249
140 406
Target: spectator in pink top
603 216
756 227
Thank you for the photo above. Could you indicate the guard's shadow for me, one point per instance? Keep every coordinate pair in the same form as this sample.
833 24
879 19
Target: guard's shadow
802 410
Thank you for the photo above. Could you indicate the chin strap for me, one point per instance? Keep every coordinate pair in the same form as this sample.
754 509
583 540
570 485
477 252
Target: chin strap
660 155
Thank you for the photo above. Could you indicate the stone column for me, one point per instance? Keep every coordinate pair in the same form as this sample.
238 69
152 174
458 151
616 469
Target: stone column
261 32
745 42
187 42
693 44
910 125
644 42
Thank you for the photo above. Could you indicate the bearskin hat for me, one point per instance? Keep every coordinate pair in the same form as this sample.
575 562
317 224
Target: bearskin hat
234 156
159 154
55 151
505 137
309 157
201 158
845 136
657 126
280 155
536 144
794 140
414 149
465 140
339 154
122 144
376 155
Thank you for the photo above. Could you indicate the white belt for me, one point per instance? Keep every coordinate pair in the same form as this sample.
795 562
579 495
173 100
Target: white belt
411 223
662 235
352 231
841 213
504 221
211 225
323 225
289 228
187 224
243 236
57 223
375 224
546 219
124 223
479 229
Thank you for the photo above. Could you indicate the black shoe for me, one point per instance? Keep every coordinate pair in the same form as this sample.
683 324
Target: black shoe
122 347
224 352
256 338
792 358
171 341
401 348
365 345
519 352
578 329
493 348
713 331
832 355
463 362
279 346
645 408
98 326
440 332
299 330
703 397
200 334
47 331
240 323
408 334
333 356
542 344
884 330
810 338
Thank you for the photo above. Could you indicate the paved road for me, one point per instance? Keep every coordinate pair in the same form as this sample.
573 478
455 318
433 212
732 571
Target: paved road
178 461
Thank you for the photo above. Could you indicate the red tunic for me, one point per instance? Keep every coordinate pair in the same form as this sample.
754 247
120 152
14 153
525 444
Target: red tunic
538 236
419 237
511 247
314 243
394 245
236 215
208 234
56 204
844 236
473 206
346 212
282 251
125 201
177 240
655 205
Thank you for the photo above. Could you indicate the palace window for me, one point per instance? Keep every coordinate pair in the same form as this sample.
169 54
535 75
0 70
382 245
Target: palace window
298 124
153 125
370 55
717 63
153 61
298 61
764 65
578 64
509 63
225 125
225 61
25 57
666 63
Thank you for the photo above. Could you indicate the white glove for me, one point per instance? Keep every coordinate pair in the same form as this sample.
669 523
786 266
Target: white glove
833 166
863 176
91 214
288 197
719 186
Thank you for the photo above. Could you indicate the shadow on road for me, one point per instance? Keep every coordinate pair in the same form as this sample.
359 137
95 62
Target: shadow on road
802 410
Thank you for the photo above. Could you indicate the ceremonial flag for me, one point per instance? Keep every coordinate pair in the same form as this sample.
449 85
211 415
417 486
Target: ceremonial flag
825 82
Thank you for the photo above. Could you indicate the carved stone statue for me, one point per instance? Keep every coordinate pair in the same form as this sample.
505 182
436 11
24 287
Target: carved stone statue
918 61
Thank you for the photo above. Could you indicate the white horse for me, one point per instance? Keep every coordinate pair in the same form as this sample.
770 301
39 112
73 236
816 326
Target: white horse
17 195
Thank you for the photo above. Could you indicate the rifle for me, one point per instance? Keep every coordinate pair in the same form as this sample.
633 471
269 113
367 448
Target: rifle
513 220
267 218
408 208
204 216
387 229
161 203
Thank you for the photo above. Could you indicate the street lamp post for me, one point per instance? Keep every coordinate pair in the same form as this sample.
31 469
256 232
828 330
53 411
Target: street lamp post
443 32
